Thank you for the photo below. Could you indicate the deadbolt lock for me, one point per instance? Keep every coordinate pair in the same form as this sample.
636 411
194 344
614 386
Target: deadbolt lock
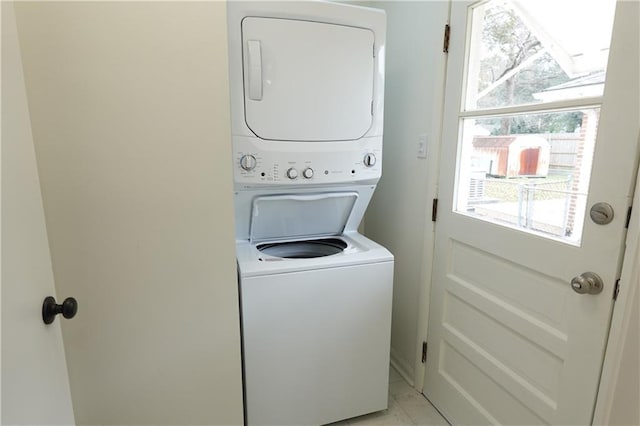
601 213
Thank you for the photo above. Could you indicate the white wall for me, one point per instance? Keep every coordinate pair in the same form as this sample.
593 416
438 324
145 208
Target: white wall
626 395
399 216
129 107
35 385
619 391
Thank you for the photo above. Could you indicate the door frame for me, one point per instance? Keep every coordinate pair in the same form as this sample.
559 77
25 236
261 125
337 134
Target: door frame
621 311
620 318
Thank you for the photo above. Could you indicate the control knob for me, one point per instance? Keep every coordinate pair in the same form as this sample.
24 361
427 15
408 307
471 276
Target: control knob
292 173
248 162
369 159
308 173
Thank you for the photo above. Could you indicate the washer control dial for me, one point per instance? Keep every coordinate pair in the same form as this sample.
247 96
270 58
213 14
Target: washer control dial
369 160
248 162
308 173
292 173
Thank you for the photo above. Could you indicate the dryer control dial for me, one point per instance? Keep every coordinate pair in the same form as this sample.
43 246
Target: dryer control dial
292 173
308 173
248 162
369 159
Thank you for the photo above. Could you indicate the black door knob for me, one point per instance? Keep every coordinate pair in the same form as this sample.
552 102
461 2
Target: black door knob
50 309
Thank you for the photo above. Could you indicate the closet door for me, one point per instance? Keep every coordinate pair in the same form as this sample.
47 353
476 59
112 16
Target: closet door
35 384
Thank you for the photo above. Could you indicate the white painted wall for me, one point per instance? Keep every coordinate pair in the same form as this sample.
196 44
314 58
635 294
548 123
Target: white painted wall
619 391
35 385
620 387
130 116
626 395
399 215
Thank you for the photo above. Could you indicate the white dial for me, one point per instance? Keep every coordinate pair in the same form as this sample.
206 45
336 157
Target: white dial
369 159
292 173
248 162
308 173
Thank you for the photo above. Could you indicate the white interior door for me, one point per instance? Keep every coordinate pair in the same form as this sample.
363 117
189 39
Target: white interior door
35 385
523 160
126 101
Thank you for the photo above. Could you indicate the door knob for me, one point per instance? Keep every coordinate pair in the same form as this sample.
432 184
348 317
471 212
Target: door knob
587 282
50 309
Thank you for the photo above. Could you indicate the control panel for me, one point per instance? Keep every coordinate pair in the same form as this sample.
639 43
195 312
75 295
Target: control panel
260 162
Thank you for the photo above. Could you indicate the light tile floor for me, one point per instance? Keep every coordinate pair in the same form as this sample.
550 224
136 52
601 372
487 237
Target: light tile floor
406 407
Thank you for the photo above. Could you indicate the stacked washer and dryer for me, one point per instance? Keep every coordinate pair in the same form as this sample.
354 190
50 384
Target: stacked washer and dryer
307 81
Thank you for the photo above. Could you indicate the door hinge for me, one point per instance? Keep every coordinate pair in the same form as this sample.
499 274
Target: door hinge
616 289
626 225
424 352
447 35
434 210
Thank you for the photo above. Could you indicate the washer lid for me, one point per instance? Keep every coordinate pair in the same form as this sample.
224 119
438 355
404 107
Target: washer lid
300 216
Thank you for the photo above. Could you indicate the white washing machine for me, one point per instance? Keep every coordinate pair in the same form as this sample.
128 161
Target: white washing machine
306 84
316 312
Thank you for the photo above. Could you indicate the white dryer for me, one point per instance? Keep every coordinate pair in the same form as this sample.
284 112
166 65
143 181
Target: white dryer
316 312
307 93
307 84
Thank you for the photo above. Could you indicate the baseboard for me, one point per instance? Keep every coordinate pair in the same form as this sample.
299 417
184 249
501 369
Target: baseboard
402 367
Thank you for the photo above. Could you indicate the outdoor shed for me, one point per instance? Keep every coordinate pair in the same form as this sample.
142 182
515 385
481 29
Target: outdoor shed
512 155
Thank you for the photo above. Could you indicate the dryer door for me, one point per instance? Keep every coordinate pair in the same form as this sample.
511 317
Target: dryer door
307 81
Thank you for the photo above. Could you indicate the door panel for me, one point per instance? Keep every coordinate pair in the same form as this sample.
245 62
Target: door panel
327 96
510 342
134 158
35 385
529 161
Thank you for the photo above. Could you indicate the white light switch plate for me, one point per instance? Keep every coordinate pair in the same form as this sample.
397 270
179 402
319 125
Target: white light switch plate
422 145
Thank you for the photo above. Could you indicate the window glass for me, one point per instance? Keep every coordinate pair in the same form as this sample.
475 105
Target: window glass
525 52
529 171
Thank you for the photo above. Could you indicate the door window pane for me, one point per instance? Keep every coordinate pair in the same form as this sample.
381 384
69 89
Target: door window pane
529 171
524 52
